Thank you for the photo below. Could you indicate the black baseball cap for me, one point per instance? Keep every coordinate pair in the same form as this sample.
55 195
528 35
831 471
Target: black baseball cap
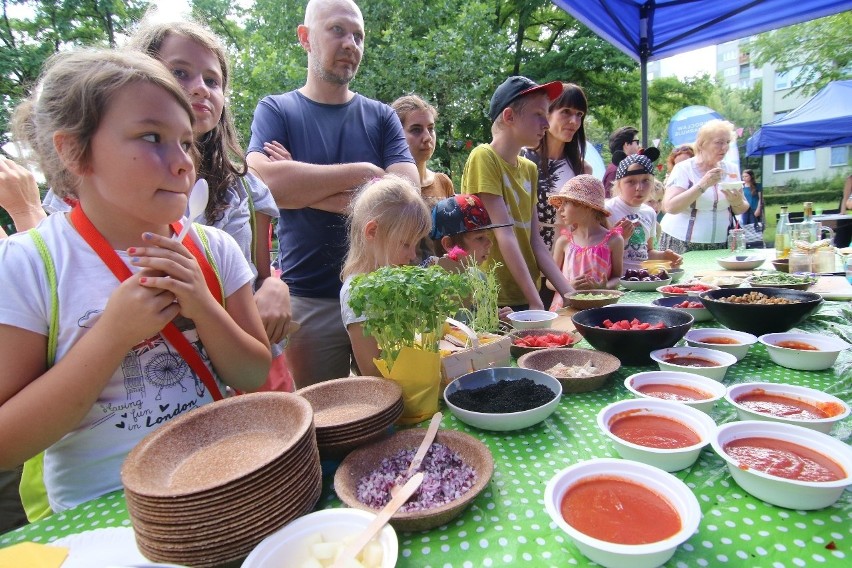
518 86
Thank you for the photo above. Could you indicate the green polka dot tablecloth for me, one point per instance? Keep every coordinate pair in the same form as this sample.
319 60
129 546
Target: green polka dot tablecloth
508 526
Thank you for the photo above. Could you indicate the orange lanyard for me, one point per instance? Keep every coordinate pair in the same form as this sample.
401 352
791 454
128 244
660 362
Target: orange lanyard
121 271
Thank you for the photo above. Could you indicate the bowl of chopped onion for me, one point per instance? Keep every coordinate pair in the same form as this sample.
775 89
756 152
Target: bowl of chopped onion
578 370
457 468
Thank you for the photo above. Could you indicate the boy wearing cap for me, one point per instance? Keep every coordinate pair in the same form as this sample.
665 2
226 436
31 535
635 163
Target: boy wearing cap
461 222
507 185
633 186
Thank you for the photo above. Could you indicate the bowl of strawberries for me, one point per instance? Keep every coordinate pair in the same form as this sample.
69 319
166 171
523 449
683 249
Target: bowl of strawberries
529 340
686 289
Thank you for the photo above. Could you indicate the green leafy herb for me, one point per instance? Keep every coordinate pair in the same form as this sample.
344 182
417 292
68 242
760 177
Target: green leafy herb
406 306
482 316
781 278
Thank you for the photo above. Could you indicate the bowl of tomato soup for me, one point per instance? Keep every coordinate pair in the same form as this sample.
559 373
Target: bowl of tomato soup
690 389
710 363
737 343
622 513
656 432
785 465
788 404
803 351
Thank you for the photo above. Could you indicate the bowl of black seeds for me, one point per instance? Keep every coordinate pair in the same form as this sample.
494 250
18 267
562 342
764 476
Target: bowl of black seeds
503 398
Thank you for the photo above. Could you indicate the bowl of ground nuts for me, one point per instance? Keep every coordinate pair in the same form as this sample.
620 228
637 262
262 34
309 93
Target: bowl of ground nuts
761 310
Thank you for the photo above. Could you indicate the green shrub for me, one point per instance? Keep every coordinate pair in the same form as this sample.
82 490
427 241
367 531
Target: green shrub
795 192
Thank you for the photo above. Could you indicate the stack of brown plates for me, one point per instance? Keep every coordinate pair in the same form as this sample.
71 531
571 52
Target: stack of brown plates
206 488
351 412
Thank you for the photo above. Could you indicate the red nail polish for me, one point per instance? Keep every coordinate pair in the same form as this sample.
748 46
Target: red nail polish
143 280
131 250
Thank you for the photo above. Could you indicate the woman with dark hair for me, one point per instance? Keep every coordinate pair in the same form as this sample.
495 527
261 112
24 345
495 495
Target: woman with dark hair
560 154
753 193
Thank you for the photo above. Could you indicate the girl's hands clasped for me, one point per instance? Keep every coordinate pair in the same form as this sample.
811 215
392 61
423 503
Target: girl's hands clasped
169 266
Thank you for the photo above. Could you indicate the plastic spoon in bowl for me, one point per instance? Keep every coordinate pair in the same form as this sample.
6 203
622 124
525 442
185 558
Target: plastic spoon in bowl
382 518
422 450
197 204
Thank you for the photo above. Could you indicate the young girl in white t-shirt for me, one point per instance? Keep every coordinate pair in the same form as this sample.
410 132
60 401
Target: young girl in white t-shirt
387 220
632 189
114 130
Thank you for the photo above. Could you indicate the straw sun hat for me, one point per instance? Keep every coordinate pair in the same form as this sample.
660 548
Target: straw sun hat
583 189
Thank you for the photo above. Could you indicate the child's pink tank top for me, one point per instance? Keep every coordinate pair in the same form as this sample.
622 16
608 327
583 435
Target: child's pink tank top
596 260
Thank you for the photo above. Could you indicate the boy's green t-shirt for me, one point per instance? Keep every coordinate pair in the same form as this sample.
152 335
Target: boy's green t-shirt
487 172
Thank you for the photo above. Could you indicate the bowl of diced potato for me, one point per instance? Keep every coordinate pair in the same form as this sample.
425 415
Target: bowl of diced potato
317 539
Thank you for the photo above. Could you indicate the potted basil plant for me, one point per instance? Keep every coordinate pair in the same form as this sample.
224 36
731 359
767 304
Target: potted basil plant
405 308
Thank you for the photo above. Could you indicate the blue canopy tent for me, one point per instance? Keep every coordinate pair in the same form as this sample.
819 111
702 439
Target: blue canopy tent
648 30
824 120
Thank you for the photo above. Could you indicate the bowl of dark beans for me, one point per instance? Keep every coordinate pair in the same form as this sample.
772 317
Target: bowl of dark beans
503 398
643 280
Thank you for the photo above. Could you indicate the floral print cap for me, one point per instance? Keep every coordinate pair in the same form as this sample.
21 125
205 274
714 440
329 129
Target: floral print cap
460 214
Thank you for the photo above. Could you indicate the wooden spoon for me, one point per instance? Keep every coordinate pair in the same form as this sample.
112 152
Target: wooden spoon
422 450
404 494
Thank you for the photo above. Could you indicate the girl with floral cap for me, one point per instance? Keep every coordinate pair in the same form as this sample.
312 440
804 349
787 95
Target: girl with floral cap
589 252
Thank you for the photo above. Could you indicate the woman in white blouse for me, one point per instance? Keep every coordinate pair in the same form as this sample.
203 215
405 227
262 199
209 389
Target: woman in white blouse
698 210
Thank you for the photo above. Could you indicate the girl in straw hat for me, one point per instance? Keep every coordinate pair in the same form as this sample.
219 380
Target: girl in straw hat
589 253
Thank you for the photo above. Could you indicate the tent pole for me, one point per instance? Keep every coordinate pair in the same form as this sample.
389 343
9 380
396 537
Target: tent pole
646 12
643 70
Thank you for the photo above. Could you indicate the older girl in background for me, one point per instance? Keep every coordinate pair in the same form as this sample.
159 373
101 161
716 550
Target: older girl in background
114 130
240 203
418 123
753 194
387 220
696 205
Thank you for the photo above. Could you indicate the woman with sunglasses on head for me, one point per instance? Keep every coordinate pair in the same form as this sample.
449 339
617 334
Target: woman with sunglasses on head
679 154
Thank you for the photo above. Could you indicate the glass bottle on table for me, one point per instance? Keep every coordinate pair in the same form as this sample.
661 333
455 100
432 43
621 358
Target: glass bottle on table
783 237
809 226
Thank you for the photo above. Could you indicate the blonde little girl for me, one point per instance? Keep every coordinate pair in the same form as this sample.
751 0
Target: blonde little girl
633 187
387 220
589 252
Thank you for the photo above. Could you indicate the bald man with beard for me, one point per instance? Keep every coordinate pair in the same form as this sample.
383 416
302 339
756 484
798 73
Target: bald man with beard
313 147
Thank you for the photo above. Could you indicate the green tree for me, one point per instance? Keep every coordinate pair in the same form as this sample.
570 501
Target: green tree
820 47
742 108
31 31
667 95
